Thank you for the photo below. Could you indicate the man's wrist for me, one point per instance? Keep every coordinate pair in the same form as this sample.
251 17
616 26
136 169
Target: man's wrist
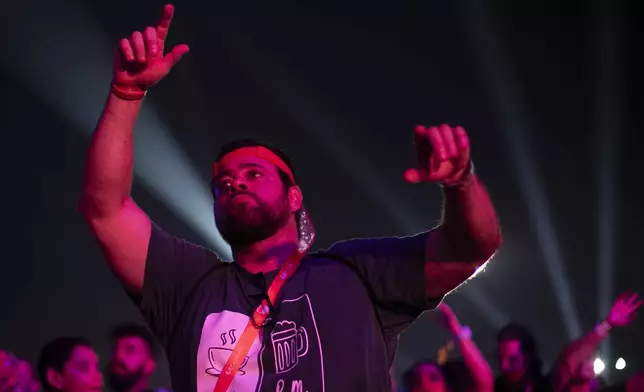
603 328
464 179
128 93
463 333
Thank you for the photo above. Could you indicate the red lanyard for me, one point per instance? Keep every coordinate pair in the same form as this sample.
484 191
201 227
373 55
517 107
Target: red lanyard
252 328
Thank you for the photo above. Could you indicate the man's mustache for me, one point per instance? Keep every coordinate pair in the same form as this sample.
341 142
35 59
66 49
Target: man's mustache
244 193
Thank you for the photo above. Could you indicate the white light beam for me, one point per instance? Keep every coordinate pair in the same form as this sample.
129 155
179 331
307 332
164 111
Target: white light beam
503 86
58 52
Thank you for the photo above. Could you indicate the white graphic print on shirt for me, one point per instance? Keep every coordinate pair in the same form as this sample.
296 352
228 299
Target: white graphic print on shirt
219 335
289 342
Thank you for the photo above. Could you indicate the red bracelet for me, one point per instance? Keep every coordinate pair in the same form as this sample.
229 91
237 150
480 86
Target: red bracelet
128 93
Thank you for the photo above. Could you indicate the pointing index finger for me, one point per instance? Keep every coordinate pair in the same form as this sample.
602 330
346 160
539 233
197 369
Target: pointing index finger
164 22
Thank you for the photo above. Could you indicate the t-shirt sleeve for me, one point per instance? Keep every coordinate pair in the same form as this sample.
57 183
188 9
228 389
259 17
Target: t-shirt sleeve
394 270
173 269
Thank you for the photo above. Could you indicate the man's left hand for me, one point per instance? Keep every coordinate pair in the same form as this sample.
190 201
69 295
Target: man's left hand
443 155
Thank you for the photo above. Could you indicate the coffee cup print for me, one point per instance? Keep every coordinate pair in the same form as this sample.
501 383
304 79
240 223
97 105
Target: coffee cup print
218 356
290 343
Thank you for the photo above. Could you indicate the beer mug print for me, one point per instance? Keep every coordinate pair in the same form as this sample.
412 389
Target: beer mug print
289 344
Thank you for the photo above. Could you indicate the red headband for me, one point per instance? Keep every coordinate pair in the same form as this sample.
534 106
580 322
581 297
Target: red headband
257 152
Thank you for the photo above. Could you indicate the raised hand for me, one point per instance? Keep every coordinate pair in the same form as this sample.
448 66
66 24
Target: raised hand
624 310
448 319
443 154
139 62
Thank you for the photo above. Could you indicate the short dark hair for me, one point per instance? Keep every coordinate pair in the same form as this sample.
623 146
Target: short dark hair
521 333
237 144
134 330
55 354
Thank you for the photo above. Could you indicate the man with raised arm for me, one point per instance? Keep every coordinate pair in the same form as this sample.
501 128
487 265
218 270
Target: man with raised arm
278 318
574 369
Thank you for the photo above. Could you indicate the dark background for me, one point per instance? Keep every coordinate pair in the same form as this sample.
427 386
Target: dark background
339 86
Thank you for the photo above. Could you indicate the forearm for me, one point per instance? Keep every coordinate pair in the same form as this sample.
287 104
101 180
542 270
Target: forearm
475 361
576 353
585 347
108 169
470 225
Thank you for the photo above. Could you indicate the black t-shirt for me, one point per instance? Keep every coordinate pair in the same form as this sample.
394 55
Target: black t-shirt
334 326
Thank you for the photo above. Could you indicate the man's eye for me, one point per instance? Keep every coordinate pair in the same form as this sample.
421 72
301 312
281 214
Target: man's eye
254 174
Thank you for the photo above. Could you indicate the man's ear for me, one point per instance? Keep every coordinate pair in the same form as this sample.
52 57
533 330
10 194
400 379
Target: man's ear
295 198
54 379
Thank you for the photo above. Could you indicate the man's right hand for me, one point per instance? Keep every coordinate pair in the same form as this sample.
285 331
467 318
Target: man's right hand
139 62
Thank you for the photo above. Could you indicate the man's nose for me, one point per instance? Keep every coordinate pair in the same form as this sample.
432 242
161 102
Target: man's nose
239 185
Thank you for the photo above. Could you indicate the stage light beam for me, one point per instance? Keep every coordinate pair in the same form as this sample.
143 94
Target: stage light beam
70 66
608 123
497 71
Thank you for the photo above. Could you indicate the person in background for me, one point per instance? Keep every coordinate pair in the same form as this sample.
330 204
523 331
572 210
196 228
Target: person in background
425 376
473 374
16 375
27 377
69 364
519 361
573 371
482 379
635 383
132 363
458 376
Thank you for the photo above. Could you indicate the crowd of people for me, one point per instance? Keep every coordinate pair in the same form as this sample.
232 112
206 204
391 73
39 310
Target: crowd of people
70 364
519 362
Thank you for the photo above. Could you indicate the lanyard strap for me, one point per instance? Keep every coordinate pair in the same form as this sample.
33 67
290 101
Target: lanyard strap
259 316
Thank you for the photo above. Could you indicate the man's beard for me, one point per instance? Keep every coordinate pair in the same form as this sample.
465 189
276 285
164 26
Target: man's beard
243 224
124 382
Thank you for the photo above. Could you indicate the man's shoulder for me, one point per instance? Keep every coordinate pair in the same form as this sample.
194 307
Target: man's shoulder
328 262
347 246
169 243
382 245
